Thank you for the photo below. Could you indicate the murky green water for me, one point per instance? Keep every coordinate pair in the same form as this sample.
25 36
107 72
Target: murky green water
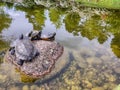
92 36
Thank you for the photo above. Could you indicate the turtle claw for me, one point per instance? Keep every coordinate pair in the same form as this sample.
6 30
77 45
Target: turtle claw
20 62
37 54
29 59
29 35
53 36
21 37
12 50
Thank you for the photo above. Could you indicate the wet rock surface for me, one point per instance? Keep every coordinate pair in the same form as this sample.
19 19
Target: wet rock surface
49 51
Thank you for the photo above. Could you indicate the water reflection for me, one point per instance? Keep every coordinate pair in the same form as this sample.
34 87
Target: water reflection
115 45
5 20
92 35
56 15
35 16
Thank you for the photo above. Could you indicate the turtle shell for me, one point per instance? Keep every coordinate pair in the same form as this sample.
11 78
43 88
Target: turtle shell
25 50
37 35
49 35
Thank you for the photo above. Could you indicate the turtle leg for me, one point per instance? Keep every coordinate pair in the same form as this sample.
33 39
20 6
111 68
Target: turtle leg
30 59
29 35
20 62
12 50
52 37
35 38
37 54
39 35
21 37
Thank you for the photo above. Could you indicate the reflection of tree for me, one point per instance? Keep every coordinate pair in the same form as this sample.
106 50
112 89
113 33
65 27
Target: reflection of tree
5 20
35 15
92 29
113 19
55 15
115 45
3 45
28 3
72 21
9 5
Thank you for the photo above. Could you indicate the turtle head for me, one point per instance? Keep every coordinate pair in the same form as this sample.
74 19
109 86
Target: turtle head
21 37
54 34
39 33
30 34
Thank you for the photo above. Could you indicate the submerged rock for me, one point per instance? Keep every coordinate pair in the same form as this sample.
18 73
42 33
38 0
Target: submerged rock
49 51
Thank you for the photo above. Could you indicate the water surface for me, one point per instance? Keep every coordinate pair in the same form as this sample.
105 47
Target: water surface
92 36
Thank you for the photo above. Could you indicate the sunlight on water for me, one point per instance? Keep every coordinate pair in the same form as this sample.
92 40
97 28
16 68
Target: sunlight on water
90 39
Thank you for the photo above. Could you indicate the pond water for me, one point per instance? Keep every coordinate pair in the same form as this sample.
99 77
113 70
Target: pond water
92 36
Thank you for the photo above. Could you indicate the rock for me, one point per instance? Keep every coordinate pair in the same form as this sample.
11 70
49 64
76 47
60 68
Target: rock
117 87
111 78
43 64
25 87
75 88
69 82
86 52
14 88
88 84
3 77
80 60
105 58
109 86
117 70
34 87
98 88
93 60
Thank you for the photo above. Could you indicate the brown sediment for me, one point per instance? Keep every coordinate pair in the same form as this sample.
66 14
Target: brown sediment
49 51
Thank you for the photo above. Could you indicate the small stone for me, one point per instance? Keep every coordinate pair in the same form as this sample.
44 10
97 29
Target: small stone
98 88
88 84
34 87
117 87
111 78
14 88
25 87
86 52
117 70
69 82
75 88
3 77
93 60
105 58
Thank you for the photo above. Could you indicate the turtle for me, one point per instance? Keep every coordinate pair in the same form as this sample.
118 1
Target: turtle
23 49
37 35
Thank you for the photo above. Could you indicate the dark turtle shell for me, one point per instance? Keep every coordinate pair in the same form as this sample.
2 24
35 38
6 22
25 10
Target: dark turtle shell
37 35
23 49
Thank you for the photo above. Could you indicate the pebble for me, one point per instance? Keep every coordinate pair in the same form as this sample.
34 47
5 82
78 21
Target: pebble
117 70
105 58
75 88
93 60
14 88
25 87
98 88
34 87
3 77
